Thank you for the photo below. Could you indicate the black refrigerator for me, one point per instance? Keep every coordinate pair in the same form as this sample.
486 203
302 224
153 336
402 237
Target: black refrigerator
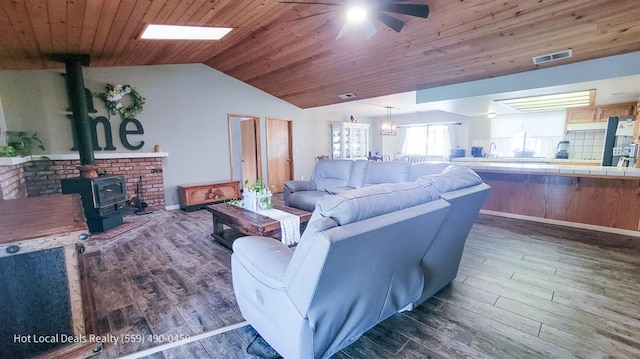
617 139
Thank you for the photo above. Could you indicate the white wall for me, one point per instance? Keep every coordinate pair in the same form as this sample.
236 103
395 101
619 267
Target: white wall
185 113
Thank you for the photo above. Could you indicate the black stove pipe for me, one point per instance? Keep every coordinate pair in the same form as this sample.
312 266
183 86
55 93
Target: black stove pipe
75 84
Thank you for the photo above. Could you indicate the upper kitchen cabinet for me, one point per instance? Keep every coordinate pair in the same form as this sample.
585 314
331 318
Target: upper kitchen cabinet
622 109
581 114
599 113
349 140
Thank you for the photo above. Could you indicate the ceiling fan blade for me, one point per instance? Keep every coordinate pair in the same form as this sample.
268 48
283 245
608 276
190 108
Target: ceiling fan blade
369 29
309 3
312 15
407 9
390 21
343 31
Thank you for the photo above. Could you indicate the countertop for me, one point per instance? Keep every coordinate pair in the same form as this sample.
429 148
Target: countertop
553 169
525 160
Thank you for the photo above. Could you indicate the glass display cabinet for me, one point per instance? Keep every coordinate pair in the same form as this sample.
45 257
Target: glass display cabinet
349 140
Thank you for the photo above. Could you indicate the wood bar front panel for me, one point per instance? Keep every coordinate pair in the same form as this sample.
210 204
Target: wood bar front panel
604 202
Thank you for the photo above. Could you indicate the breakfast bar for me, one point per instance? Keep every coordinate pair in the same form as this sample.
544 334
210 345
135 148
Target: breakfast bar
587 196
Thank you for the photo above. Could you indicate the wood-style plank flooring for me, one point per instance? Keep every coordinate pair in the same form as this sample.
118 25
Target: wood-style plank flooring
524 290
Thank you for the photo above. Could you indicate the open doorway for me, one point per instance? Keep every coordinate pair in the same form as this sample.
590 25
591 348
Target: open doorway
279 152
245 148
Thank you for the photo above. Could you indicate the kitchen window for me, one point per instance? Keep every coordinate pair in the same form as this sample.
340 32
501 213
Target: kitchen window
528 135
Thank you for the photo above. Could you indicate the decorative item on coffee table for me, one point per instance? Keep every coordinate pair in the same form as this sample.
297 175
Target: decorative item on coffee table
257 196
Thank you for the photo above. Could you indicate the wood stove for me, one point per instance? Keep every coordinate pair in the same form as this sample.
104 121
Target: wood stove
104 196
103 199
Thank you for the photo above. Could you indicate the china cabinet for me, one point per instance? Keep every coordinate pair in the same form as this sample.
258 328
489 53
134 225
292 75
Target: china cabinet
349 140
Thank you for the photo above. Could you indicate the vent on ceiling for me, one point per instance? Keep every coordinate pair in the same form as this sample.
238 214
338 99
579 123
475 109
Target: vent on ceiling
345 96
552 57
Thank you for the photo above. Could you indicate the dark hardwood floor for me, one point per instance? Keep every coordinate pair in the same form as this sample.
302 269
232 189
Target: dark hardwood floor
524 290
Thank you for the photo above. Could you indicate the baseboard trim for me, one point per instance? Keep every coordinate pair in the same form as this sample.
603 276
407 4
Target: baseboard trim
592 227
172 207
159 348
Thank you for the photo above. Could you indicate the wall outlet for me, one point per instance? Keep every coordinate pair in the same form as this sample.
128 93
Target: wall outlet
617 151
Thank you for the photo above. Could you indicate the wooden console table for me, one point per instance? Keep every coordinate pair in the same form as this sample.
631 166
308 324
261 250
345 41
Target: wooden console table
39 244
200 195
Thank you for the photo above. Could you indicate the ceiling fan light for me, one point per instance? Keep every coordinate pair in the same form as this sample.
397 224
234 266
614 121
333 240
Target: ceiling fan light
356 13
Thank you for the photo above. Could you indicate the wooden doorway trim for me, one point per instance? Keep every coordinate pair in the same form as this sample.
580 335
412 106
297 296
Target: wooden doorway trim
276 172
232 154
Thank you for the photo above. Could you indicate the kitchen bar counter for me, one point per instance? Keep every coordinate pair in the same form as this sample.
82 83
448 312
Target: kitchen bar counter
555 169
558 161
589 197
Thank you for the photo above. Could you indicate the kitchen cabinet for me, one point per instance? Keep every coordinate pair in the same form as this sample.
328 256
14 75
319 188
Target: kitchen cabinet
599 113
623 109
581 114
349 140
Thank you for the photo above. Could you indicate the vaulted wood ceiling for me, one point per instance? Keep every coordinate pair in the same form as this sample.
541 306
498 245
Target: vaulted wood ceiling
300 61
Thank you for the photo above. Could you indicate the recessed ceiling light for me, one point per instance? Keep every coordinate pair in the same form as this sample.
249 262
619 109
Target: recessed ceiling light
347 95
175 32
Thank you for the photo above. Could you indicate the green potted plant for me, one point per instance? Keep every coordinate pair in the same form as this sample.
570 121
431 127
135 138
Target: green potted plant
8 151
22 142
257 196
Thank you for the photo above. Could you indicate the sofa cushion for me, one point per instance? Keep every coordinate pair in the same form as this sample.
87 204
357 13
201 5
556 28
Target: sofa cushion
451 178
358 172
427 168
305 200
371 201
387 172
337 190
331 174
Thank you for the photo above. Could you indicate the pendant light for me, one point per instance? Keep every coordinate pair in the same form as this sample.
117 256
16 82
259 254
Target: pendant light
388 128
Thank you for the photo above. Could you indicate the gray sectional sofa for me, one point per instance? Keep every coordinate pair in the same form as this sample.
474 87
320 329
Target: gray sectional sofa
367 252
337 176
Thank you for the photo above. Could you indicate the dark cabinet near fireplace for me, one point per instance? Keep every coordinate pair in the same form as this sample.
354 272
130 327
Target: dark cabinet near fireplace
42 293
103 199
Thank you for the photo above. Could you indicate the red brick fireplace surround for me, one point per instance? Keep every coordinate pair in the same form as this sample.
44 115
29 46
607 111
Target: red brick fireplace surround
20 178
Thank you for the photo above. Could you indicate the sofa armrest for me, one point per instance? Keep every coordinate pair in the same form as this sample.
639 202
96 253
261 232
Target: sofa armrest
265 258
296 186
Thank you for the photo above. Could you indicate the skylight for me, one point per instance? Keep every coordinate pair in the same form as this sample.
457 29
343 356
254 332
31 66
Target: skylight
175 32
549 102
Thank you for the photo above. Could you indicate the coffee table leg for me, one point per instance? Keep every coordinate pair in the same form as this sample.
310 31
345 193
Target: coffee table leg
218 230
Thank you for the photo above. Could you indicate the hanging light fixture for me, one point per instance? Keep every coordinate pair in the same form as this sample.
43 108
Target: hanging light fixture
388 128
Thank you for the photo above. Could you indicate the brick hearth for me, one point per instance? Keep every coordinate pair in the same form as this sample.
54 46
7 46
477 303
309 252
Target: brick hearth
12 182
43 177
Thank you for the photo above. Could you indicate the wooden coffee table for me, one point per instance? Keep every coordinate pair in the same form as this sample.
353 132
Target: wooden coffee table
247 223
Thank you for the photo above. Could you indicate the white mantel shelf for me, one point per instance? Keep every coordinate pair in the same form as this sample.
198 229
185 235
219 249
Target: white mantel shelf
106 155
11 161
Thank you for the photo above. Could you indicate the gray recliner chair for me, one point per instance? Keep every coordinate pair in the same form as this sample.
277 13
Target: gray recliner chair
357 263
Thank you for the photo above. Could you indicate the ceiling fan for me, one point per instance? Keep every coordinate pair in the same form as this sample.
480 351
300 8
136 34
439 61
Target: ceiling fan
358 10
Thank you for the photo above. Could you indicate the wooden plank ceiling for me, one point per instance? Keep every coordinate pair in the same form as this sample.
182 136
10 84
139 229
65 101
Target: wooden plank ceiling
301 61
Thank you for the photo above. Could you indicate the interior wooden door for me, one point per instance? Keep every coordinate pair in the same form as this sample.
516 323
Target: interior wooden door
249 158
279 152
245 148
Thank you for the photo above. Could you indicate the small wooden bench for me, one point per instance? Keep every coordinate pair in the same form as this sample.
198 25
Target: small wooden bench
199 195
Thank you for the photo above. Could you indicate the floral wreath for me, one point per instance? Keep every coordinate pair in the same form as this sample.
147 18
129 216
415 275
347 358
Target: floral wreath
115 94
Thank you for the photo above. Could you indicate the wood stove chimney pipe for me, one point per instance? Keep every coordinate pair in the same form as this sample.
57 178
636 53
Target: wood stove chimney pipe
75 86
